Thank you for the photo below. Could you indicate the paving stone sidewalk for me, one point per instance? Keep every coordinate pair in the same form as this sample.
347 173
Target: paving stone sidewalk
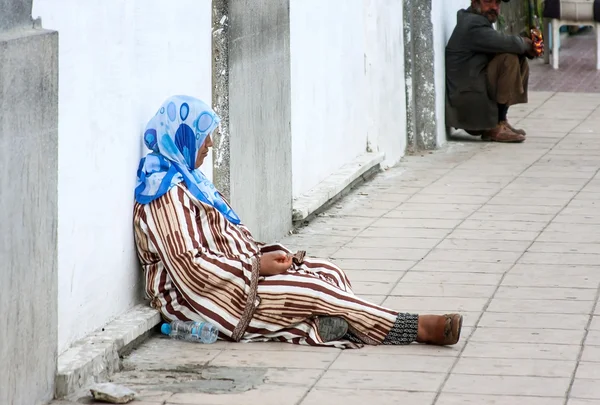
577 71
508 235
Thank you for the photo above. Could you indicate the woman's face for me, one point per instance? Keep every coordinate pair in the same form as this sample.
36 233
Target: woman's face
203 152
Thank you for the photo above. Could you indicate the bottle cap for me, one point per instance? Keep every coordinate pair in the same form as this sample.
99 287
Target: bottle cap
165 329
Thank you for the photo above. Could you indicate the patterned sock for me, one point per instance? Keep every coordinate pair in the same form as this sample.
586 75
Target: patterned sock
404 331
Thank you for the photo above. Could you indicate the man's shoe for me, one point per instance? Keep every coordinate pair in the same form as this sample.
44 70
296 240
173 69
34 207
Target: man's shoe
502 134
474 132
515 130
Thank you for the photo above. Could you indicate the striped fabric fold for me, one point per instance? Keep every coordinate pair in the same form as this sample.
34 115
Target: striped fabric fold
200 266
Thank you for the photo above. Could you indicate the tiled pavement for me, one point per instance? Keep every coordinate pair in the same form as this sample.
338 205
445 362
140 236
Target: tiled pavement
577 67
508 235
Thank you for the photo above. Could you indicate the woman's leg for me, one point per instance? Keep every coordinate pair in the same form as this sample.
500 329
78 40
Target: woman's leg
439 330
293 304
291 299
326 271
367 323
407 328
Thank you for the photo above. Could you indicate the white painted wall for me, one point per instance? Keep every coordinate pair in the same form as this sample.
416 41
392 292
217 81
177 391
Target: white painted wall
448 10
118 62
443 15
386 87
348 89
328 88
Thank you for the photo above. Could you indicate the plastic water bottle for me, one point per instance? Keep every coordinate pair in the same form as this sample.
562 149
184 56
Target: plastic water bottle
199 332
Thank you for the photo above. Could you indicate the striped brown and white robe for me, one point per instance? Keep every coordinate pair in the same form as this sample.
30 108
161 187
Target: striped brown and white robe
199 266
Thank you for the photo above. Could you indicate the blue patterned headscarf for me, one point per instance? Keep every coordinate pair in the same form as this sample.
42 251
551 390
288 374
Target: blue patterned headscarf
175 136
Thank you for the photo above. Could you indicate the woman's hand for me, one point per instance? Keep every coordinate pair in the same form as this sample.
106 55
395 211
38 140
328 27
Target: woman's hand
273 263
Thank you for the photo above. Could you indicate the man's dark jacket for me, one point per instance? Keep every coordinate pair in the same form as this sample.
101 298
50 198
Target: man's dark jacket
474 42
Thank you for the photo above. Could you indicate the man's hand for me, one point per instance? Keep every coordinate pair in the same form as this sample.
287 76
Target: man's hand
530 53
534 48
273 263
538 47
538 41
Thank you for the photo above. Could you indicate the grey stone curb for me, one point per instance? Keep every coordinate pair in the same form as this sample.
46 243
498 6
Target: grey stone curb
334 185
96 356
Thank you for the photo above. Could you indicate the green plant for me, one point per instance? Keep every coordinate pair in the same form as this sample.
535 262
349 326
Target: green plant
501 23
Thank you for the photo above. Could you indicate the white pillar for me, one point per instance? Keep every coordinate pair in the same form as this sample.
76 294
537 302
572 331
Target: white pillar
549 36
598 45
555 42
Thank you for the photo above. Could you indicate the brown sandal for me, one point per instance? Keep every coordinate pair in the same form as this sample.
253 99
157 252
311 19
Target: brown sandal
452 329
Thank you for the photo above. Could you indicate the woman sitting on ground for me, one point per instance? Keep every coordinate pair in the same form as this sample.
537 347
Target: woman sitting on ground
201 263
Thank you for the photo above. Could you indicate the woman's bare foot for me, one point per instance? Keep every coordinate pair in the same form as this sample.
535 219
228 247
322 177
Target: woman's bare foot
441 330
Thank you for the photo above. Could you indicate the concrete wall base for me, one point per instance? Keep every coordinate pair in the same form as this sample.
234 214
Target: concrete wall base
28 214
97 356
335 186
